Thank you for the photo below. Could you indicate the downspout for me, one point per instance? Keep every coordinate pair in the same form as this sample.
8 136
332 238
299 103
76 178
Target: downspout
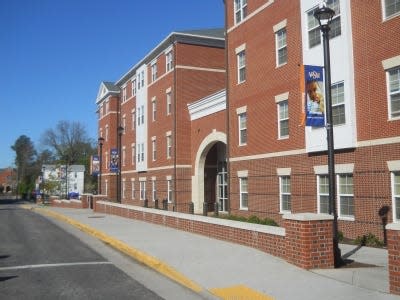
227 109
175 124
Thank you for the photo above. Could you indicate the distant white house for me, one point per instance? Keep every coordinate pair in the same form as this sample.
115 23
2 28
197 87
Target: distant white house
68 179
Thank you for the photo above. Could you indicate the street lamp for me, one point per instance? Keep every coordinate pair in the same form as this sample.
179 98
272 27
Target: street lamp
101 141
324 16
120 130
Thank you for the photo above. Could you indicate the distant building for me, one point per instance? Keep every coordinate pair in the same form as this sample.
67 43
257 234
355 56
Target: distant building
7 180
65 180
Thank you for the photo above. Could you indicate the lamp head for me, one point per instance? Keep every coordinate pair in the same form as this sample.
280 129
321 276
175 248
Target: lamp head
101 140
324 14
120 129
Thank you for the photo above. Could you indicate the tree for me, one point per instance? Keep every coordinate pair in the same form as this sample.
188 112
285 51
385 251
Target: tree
70 144
24 160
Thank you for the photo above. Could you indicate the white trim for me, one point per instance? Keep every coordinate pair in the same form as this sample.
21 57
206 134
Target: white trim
168 90
378 142
207 106
269 155
200 69
391 62
283 171
249 16
142 178
280 26
168 133
241 110
339 169
240 48
169 49
282 97
243 173
307 217
168 177
393 165
153 138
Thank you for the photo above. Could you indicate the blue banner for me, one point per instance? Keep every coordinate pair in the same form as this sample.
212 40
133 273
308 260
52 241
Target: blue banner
314 90
95 165
114 160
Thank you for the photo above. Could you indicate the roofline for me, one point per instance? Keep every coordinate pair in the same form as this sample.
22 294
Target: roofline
170 39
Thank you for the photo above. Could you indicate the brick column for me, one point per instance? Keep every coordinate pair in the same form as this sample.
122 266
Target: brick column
309 240
393 246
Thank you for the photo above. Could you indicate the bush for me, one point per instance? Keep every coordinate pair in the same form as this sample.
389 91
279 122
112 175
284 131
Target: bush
251 219
368 240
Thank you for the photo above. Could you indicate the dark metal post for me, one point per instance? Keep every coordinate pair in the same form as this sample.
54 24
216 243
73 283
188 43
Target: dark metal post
120 130
101 140
325 14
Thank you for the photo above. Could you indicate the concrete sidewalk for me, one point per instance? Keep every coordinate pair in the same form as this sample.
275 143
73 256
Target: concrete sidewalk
227 270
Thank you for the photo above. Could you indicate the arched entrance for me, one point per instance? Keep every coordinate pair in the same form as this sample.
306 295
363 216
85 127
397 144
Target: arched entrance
209 183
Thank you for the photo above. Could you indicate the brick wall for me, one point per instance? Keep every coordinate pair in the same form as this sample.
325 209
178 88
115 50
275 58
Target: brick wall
305 239
393 246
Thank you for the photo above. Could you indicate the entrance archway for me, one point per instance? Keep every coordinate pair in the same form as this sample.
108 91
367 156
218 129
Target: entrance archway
209 180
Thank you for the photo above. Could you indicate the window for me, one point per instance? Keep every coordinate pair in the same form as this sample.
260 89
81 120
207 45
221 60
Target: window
244 194
394 92
106 133
154 109
240 10
124 123
345 196
142 190
241 64
123 188
142 115
323 194
242 128
169 103
134 87
123 156
338 111
142 78
169 190
392 7
133 117
396 195
154 148
124 94
314 33
154 72
169 146
281 47
168 58
138 116
284 194
138 81
133 155
283 125
154 189
142 152
132 189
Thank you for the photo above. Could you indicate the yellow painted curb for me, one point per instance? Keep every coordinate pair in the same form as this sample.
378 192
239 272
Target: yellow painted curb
239 292
138 255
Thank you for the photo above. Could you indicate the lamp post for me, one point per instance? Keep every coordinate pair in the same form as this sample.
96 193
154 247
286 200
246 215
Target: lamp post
120 130
324 16
101 141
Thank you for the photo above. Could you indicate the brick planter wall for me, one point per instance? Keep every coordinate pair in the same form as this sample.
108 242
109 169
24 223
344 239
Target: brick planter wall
393 246
305 240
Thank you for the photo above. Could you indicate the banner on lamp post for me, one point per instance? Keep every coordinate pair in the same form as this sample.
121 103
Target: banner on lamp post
314 96
95 165
114 160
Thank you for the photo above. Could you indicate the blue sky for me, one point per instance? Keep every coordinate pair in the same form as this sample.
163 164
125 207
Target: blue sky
55 53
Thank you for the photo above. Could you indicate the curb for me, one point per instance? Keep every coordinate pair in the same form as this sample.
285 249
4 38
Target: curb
136 254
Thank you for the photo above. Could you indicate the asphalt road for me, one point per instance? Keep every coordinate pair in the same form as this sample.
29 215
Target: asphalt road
43 259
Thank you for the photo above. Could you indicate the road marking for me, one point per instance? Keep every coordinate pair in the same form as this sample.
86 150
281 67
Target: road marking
239 292
55 265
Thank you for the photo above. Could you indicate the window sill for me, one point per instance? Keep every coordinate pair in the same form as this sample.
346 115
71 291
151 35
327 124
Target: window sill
243 208
350 219
281 65
283 138
284 212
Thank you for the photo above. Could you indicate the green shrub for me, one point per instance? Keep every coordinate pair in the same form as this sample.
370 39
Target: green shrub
340 236
369 240
251 219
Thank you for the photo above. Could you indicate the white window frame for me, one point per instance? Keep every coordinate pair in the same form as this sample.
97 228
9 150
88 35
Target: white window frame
240 10
142 189
124 93
241 66
154 148
169 145
338 100
132 188
133 154
284 192
396 9
244 192
154 71
133 87
133 118
395 185
169 190
154 108
341 194
242 126
154 188
393 92
168 60
283 116
322 180
281 46
123 156
169 102
123 188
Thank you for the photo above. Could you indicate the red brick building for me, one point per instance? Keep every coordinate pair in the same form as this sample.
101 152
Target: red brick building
212 118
